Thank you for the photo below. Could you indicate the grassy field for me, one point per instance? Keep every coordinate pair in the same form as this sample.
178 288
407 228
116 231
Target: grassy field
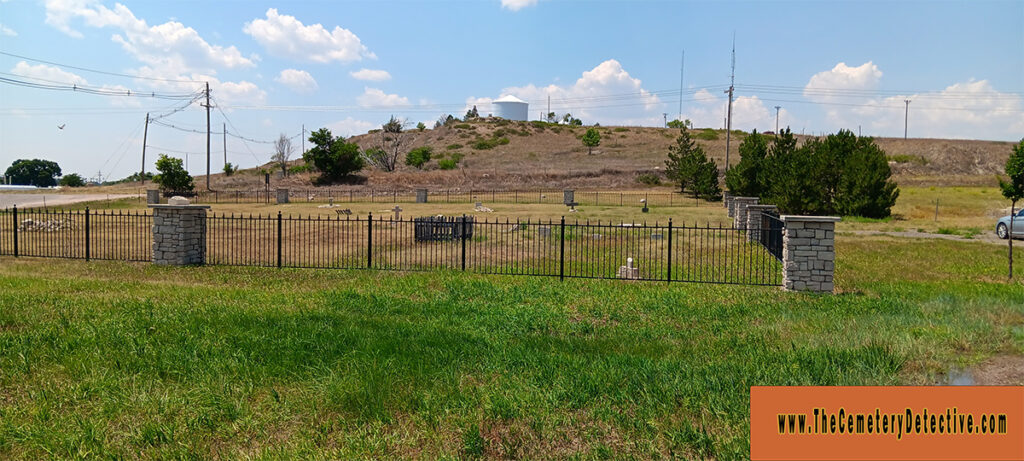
107 359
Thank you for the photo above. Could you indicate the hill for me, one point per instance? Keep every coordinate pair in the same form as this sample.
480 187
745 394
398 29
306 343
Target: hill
501 154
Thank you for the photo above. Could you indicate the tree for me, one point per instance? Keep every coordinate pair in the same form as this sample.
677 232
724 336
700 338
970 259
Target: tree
35 172
282 152
1013 189
393 140
72 180
230 169
689 166
745 179
419 156
172 176
591 139
472 113
676 124
552 118
420 126
334 158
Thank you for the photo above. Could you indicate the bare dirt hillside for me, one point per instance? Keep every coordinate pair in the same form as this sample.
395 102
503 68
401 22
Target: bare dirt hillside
536 155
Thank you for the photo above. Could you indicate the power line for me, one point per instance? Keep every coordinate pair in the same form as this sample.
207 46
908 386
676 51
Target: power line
94 90
86 69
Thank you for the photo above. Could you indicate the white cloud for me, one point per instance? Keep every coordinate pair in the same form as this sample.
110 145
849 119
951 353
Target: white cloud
47 73
370 75
373 97
607 78
297 80
748 113
170 45
350 127
7 31
286 36
969 110
516 5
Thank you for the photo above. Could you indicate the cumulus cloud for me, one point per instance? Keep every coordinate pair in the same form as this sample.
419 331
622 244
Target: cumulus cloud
607 78
350 127
7 31
972 110
748 112
51 74
298 80
516 5
285 36
373 97
370 75
170 45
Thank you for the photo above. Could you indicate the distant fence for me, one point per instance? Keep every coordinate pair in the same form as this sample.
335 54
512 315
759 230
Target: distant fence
539 196
659 252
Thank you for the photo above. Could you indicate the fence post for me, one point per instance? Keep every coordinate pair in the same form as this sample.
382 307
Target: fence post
279 239
86 233
561 251
15 231
669 264
463 238
369 241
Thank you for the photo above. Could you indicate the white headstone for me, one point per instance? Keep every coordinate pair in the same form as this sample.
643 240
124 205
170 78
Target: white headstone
177 201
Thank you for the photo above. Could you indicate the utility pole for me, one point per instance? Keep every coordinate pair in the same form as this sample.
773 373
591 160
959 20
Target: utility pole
549 104
224 132
682 66
664 116
906 117
303 138
777 119
728 123
208 136
145 134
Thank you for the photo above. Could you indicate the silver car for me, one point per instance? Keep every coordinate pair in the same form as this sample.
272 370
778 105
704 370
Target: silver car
1003 225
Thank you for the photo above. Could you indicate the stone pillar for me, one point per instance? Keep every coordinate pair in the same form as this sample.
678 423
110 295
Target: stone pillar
740 210
179 234
726 198
152 196
282 196
421 196
754 213
568 196
808 253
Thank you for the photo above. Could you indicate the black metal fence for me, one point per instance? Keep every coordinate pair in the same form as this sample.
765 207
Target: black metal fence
770 234
77 234
552 196
659 252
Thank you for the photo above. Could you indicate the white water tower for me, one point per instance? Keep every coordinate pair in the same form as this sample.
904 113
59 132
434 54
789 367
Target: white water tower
510 107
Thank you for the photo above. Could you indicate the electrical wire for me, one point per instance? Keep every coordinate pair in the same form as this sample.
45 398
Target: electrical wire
86 69
95 90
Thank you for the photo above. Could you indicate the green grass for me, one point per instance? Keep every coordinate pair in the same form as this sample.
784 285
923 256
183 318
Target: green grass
107 359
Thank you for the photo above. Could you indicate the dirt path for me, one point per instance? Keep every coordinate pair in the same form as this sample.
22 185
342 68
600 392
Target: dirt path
984 237
38 200
1003 370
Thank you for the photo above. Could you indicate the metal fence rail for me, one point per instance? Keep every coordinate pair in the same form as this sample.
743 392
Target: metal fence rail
77 234
659 252
770 234
539 196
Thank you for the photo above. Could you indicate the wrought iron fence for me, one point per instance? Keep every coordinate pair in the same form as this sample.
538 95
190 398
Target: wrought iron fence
605 250
540 196
77 234
770 234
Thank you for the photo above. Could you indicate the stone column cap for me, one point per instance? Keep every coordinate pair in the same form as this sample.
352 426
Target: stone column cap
180 207
761 206
789 217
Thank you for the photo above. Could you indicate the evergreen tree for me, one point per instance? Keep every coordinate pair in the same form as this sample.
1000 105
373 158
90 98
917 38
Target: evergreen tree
681 165
746 178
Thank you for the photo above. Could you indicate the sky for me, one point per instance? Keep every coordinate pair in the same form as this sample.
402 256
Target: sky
280 67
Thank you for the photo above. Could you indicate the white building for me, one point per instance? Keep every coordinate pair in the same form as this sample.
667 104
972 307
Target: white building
510 107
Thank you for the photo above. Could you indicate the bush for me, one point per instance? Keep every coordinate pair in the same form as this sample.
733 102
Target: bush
620 129
707 134
334 158
72 180
454 146
418 157
905 158
172 176
447 164
502 141
420 126
463 126
299 169
648 179
229 169
485 144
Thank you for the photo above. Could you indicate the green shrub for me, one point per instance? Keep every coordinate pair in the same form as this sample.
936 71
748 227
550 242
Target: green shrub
485 144
172 176
299 169
463 126
72 180
454 146
502 141
620 129
418 157
648 179
498 133
447 164
707 134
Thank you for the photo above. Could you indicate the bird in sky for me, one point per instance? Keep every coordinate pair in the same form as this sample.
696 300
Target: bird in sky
61 127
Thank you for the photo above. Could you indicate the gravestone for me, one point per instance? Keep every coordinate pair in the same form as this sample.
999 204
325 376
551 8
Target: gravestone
569 197
421 196
282 196
544 231
398 212
152 196
628 271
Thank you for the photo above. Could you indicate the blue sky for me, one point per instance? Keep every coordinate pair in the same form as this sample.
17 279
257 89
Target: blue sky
274 66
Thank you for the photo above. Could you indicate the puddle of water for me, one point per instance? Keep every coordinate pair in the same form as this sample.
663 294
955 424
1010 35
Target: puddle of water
957 377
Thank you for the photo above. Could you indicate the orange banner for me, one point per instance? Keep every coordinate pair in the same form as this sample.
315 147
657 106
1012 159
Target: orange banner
887 423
